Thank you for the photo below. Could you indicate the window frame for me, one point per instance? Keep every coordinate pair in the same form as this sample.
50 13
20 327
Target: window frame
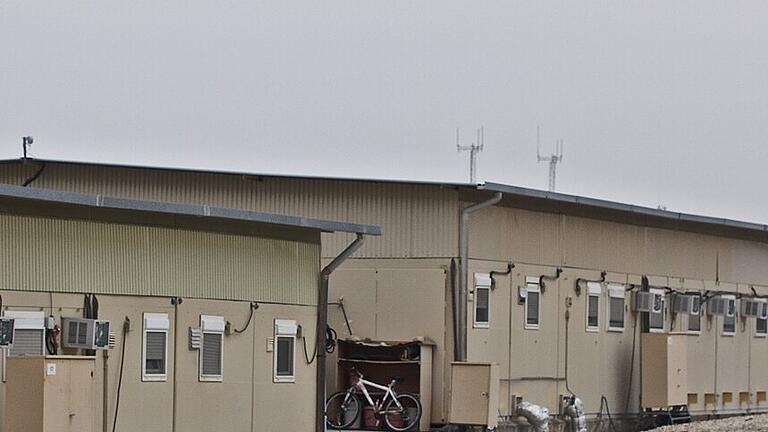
731 301
617 291
594 289
211 324
532 285
697 297
762 316
482 282
660 292
284 329
154 323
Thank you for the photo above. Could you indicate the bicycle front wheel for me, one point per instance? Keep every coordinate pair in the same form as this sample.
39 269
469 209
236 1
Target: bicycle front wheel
341 410
404 415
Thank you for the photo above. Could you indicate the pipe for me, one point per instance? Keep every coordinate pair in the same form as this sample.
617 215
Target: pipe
322 323
463 267
105 396
175 301
454 311
510 266
536 415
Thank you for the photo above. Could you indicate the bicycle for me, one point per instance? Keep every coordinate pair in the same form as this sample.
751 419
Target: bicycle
401 412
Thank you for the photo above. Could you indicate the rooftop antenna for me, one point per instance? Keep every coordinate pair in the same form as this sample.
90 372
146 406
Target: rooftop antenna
473 150
554 159
26 142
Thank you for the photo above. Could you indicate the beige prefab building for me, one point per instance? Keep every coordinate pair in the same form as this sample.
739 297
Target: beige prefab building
208 308
551 285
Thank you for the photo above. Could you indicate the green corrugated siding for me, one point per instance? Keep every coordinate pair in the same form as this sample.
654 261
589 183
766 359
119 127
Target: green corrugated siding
42 254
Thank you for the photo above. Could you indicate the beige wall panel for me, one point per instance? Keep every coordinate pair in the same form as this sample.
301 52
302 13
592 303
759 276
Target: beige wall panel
758 366
508 234
743 261
681 254
594 244
82 256
490 345
410 303
358 289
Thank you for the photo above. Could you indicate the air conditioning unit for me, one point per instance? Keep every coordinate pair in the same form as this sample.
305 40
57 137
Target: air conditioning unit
642 301
6 332
751 308
683 304
717 306
83 333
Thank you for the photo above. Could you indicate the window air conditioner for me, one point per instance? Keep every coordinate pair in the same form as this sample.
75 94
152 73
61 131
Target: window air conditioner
683 304
642 301
750 308
717 306
88 334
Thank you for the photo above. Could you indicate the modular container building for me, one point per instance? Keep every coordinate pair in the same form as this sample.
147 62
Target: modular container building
208 308
550 280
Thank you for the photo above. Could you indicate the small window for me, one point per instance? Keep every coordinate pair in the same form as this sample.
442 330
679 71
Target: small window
616 299
482 300
761 323
594 290
212 348
656 316
285 344
155 347
729 319
532 303
694 318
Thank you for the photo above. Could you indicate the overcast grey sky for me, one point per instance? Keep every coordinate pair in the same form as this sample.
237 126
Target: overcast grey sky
659 102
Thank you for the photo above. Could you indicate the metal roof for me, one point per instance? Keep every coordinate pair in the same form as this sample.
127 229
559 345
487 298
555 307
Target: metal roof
109 203
563 201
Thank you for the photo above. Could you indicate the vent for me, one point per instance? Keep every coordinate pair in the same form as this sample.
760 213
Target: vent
28 342
642 301
195 338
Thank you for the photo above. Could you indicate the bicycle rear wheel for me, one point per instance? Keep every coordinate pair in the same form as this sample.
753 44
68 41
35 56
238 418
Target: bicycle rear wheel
404 417
341 410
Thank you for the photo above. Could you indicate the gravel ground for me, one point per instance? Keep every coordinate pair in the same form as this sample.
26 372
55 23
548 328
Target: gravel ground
736 424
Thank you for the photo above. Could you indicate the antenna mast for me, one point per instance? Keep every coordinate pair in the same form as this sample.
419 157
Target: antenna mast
554 159
473 149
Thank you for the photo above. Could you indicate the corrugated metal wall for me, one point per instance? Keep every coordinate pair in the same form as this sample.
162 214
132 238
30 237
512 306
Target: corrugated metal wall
418 220
42 254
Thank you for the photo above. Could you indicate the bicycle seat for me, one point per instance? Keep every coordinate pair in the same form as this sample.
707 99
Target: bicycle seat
397 379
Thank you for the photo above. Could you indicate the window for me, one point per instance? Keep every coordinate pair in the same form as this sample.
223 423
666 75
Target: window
482 300
656 316
694 318
532 303
594 290
212 348
155 347
285 343
616 298
729 319
28 333
761 322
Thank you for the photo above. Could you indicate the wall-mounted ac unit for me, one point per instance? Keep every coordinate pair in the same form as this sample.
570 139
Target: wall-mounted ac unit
683 303
82 333
722 305
750 307
642 301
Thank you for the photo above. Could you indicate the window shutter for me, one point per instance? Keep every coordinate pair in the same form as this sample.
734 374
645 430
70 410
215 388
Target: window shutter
212 354
155 355
27 342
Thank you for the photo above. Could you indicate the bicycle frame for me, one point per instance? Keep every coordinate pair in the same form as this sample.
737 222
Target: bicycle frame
388 392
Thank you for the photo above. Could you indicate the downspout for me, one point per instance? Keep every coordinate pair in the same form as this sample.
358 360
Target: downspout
322 322
463 268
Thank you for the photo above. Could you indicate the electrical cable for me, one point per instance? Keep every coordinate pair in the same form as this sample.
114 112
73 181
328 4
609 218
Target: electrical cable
604 402
346 320
120 376
567 386
330 344
253 307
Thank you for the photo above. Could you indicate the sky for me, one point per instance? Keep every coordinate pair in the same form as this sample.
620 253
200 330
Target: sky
659 102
